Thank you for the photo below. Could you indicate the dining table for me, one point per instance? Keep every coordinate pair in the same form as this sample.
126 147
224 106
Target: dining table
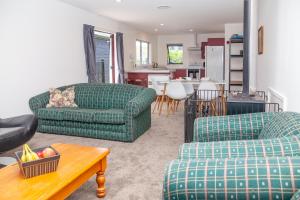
194 82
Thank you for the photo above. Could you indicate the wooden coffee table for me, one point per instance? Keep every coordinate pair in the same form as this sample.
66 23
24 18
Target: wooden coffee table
77 164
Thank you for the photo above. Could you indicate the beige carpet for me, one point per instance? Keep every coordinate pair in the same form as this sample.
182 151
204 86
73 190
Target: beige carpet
135 170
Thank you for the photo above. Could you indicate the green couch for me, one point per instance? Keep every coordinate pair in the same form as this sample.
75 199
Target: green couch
249 156
105 111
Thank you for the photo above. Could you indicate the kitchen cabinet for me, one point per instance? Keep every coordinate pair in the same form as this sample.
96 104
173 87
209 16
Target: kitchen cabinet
179 73
203 46
216 41
211 42
202 73
140 79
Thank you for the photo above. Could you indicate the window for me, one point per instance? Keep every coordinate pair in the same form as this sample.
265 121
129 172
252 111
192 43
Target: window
142 52
175 53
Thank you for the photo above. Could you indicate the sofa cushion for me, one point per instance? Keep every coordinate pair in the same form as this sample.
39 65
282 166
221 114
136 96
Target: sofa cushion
81 115
238 178
110 116
51 113
285 146
105 96
282 124
232 127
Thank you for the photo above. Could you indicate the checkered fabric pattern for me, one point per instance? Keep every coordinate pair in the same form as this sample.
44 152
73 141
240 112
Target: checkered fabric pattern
296 196
283 124
239 178
285 146
109 116
105 111
140 102
232 127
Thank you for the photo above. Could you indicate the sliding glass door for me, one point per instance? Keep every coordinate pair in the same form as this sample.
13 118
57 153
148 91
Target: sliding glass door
104 56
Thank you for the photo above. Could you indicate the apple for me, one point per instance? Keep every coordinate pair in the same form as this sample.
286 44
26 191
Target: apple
40 154
48 152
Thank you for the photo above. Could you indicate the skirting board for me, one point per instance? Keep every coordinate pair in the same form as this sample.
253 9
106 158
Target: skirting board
275 97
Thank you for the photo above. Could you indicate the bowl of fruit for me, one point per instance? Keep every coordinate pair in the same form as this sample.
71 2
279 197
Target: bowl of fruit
37 161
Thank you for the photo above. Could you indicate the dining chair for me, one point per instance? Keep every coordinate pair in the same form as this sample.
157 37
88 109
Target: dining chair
175 93
160 91
207 94
189 89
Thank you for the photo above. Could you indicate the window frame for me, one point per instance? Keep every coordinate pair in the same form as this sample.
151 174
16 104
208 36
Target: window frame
141 52
168 59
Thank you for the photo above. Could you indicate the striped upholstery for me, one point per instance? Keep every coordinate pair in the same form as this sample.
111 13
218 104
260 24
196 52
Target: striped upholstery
239 178
233 127
286 146
278 126
106 111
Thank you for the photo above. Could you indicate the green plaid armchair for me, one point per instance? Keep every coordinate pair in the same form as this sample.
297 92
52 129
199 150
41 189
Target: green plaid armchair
249 156
105 111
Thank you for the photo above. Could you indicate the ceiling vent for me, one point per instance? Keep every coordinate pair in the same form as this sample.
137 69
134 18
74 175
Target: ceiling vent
163 7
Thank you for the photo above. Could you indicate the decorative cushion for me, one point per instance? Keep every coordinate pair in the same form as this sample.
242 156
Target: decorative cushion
59 99
282 124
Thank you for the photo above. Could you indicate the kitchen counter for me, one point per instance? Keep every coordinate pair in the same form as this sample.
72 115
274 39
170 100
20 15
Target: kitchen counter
150 71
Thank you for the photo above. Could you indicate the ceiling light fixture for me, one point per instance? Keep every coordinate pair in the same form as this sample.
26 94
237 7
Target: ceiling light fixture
163 7
119 1
162 24
191 30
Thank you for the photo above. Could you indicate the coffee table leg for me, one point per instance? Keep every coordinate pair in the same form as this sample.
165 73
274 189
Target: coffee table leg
101 187
100 179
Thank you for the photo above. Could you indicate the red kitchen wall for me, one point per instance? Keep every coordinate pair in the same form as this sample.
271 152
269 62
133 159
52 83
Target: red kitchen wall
216 41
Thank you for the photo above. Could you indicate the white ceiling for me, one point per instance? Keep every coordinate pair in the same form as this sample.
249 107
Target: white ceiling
203 16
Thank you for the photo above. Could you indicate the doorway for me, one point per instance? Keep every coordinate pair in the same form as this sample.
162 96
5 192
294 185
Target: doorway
104 44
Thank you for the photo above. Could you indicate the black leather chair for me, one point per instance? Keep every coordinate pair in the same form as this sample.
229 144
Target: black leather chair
16 131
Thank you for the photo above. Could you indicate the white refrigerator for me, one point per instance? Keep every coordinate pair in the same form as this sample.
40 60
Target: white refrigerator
214 63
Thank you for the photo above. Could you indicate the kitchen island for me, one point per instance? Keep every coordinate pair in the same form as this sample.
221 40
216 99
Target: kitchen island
142 77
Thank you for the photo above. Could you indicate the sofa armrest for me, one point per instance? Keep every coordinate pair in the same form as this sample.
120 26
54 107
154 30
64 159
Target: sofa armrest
286 146
239 178
39 101
232 127
141 102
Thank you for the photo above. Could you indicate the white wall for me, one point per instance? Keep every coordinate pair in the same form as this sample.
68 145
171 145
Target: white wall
162 40
42 47
230 29
253 43
130 38
188 40
279 67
